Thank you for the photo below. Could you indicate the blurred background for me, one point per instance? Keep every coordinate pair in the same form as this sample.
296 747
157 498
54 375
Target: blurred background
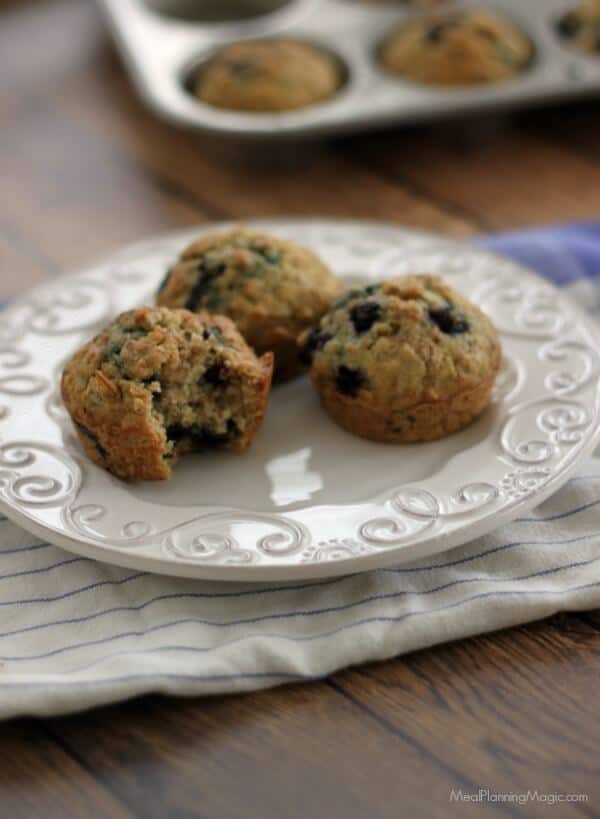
86 165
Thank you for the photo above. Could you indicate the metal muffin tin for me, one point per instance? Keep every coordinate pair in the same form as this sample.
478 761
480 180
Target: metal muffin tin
161 50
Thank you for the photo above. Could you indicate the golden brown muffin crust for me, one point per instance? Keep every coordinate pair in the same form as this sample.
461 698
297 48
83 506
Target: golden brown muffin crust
457 48
405 360
268 76
157 383
580 26
272 288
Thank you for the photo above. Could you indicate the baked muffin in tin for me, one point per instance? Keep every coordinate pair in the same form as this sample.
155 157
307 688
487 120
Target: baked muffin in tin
467 47
268 76
580 27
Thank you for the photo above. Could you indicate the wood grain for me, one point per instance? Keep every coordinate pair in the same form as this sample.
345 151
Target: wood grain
86 168
39 778
472 700
497 173
490 712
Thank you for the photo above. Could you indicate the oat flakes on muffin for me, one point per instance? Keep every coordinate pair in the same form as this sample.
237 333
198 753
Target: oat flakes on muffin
581 26
157 383
268 75
272 288
402 361
457 48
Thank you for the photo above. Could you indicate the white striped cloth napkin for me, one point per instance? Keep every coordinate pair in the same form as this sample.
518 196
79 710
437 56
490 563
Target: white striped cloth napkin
75 633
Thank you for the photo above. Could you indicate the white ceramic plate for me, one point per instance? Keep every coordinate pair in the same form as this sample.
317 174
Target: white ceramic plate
308 499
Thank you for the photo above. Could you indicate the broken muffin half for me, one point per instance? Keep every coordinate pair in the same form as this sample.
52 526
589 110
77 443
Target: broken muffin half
160 382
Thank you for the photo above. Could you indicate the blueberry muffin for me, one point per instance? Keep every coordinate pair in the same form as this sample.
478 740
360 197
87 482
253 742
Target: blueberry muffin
157 383
406 360
462 48
272 288
581 26
268 75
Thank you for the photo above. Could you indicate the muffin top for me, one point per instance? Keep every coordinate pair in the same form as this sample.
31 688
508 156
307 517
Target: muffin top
458 48
156 347
268 286
268 75
581 26
402 342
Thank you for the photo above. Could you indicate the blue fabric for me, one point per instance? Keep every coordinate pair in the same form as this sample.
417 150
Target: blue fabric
564 254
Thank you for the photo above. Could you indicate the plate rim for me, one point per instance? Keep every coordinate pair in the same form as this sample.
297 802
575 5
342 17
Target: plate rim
261 572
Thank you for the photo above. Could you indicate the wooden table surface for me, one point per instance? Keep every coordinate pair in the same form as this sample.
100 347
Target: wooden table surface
85 168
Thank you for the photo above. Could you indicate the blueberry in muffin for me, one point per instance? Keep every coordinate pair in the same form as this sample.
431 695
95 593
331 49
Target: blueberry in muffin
459 48
268 76
404 360
581 26
272 288
157 383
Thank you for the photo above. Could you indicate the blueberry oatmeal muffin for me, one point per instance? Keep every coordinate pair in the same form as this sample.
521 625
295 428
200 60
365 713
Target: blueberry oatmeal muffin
581 26
461 48
157 383
272 288
268 75
406 360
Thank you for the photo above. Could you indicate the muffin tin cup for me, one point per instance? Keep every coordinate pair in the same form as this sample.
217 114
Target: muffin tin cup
160 50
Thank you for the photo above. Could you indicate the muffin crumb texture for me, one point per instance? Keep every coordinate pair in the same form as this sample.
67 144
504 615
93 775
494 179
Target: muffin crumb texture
404 360
158 383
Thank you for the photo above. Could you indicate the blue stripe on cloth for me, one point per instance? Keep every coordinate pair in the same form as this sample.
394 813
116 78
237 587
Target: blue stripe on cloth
293 613
80 590
374 598
273 589
20 549
560 515
378 619
45 569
